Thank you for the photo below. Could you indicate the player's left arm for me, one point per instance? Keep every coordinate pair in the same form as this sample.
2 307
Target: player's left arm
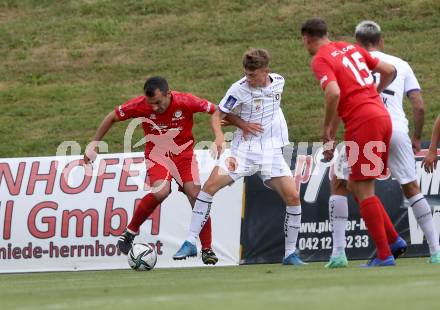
324 73
216 125
429 163
246 127
334 126
415 97
202 105
412 90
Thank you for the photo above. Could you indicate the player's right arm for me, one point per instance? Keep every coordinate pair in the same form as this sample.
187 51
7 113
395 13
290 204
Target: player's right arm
332 95
128 110
103 128
430 160
229 102
387 74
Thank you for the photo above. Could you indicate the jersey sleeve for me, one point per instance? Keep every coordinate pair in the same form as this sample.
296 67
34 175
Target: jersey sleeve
323 71
370 60
199 105
129 109
230 100
411 82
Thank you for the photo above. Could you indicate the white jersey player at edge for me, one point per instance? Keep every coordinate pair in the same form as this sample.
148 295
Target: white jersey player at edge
255 98
401 160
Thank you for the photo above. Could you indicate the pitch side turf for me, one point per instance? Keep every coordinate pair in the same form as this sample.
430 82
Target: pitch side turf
413 284
65 64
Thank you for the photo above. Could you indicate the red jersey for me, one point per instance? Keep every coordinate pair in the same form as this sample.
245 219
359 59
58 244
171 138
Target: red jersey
171 131
349 65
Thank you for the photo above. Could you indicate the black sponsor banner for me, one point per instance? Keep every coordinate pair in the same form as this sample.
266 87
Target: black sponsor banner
262 234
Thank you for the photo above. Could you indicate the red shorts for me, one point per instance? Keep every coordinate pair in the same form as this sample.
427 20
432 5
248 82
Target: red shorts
183 168
367 148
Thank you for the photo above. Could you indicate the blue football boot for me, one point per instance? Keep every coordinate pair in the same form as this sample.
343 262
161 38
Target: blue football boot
399 247
376 262
293 259
186 250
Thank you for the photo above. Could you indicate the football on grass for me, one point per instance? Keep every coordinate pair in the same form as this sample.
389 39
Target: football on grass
142 257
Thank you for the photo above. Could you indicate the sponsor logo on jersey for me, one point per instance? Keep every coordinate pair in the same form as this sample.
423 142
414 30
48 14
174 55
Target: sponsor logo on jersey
178 115
121 112
230 102
258 103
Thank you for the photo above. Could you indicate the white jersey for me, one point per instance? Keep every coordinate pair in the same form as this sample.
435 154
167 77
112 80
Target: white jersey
392 96
258 105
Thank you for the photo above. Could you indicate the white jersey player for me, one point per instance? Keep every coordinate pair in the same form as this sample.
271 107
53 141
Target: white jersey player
260 105
256 98
260 152
401 160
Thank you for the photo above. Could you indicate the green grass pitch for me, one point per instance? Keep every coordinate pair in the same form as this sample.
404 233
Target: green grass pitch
413 284
65 64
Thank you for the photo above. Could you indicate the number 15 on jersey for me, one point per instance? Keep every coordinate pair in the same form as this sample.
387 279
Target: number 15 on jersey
356 65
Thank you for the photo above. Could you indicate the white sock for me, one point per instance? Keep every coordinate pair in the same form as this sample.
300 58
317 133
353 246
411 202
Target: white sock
422 212
338 215
131 232
292 225
200 215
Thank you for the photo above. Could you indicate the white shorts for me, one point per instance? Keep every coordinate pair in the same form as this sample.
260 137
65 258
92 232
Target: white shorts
269 164
340 163
401 161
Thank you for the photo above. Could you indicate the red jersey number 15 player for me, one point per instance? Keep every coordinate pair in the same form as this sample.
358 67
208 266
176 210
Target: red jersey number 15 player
344 72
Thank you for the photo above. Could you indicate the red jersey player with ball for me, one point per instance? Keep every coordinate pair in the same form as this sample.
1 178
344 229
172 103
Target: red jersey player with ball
343 70
167 123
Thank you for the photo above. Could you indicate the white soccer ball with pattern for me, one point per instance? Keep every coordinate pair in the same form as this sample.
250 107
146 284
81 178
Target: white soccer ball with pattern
142 257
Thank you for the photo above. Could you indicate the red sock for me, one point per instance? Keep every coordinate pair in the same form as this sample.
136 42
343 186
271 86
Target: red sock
206 235
372 215
143 210
389 227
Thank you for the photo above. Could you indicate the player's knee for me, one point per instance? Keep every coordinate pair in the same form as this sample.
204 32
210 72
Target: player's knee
161 195
292 200
210 187
411 189
193 192
339 187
